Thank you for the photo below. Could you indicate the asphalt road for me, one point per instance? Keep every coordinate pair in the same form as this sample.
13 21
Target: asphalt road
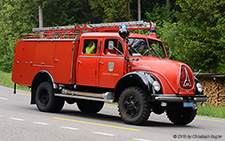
20 121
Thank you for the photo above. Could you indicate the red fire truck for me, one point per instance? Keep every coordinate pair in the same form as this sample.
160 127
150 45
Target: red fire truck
95 63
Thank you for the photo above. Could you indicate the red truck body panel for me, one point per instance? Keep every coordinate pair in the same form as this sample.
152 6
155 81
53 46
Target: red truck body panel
32 56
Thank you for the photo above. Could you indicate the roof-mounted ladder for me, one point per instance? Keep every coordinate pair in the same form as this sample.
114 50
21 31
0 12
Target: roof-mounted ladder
132 25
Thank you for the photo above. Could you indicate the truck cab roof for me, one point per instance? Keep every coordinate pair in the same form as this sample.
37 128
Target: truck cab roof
115 34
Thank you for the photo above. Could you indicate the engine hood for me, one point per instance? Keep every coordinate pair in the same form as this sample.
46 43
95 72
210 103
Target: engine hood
175 77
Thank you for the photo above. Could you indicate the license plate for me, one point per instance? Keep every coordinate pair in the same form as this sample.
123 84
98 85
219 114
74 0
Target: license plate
188 104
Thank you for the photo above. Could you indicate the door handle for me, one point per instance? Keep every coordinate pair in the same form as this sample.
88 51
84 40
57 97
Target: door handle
100 62
79 61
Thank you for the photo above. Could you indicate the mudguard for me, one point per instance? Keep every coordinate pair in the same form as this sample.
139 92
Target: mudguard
136 78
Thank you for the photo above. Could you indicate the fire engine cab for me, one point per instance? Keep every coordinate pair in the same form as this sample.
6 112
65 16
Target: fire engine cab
95 63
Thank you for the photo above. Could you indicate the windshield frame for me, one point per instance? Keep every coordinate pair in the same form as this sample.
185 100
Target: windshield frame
150 50
155 51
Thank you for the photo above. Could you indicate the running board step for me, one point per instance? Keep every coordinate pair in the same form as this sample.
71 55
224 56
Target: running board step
106 97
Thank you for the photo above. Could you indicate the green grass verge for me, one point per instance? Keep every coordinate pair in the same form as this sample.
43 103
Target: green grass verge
211 111
5 80
208 110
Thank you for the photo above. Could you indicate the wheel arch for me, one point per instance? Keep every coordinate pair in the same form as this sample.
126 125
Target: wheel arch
137 78
40 77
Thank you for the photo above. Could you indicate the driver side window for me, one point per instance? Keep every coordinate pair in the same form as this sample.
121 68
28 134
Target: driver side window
113 47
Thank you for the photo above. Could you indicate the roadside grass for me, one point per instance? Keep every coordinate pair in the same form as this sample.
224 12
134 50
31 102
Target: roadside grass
211 111
208 110
6 80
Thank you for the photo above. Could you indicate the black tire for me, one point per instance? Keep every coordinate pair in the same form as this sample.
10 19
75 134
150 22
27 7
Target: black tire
45 99
180 115
133 106
88 106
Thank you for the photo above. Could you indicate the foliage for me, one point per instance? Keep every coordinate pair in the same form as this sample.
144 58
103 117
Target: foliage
201 30
159 15
113 10
15 18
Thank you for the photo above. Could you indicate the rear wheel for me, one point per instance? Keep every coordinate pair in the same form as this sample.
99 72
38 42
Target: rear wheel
88 106
134 106
45 99
180 115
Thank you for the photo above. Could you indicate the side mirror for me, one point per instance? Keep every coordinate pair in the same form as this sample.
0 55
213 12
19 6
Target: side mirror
170 53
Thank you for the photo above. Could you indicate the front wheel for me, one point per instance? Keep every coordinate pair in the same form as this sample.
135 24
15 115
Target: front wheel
180 115
134 106
45 99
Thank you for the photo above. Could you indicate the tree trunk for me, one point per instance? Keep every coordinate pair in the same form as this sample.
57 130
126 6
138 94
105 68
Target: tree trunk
4 35
40 16
128 9
168 10
139 10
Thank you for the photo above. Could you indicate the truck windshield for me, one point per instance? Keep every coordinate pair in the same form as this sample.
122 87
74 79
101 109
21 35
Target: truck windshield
156 49
138 47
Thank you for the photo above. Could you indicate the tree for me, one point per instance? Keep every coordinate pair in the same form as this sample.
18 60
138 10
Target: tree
14 20
198 37
113 10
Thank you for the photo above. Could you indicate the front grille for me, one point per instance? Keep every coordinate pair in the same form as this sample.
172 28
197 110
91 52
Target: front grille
186 78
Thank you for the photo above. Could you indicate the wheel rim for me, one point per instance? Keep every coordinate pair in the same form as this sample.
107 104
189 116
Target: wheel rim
44 97
132 106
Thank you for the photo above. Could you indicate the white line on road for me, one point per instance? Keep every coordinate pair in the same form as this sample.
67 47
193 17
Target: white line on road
3 98
18 119
136 139
101 133
70 128
41 123
0 115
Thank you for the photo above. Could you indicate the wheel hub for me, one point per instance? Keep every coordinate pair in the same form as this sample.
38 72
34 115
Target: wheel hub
132 106
44 97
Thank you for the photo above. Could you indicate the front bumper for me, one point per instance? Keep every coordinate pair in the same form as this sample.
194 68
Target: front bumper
177 98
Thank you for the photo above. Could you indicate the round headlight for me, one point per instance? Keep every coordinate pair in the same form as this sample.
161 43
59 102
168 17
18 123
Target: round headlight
156 86
199 87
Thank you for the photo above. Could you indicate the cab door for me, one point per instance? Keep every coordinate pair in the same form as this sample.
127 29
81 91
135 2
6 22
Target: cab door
111 63
87 64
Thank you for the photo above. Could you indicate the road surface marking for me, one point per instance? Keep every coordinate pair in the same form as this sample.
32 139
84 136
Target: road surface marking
111 107
70 128
3 98
24 94
18 119
140 139
92 123
101 133
0 115
41 123
210 119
